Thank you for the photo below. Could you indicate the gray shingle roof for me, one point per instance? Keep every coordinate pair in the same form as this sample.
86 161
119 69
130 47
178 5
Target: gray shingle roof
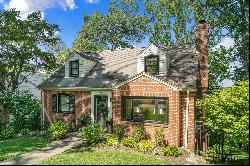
117 66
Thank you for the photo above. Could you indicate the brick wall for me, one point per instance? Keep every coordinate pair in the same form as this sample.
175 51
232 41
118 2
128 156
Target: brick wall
82 106
173 131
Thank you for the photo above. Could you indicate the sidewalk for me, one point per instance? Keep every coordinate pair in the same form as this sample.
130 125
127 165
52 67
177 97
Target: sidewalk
37 156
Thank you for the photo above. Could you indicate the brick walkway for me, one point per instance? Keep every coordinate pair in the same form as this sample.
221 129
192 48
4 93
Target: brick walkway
34 157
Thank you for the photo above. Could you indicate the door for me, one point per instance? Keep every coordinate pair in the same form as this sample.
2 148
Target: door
101 109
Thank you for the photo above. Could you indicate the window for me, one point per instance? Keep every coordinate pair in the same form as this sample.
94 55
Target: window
148 109
74 68
63 103
152 64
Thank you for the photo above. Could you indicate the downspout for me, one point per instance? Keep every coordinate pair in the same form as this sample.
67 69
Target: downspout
43 108
186 132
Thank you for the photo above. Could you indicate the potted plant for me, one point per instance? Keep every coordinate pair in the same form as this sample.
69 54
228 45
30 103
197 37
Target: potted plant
84 120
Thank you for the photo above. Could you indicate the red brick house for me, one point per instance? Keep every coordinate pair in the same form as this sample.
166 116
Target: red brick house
154 85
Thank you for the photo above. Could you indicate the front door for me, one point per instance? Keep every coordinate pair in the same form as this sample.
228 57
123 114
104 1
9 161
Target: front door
101 109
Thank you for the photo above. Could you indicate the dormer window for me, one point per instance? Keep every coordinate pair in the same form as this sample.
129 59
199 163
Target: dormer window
152 64
74 68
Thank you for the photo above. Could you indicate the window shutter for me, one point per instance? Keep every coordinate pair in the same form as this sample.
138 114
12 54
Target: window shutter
54 103
71 103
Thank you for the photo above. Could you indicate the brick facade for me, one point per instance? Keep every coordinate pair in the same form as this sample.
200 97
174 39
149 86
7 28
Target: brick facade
174 130
82 106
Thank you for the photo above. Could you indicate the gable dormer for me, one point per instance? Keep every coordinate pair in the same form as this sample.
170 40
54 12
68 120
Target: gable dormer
152 60
78 65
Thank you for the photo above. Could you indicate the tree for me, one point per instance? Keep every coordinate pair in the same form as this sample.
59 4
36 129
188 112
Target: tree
118 28
174 22
24 45
227 111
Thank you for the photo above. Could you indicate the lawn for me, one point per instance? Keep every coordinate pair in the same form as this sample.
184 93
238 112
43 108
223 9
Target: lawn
14 147
103 157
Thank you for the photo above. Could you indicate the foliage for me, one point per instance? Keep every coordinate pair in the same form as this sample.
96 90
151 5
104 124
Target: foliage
100 157
112 141
227 111
171 150
174 22
129 142
92 134
120 131
7 133
58 130
85 119
24 45
13 147
70 125
25 110
118 28
159 137
139 132
146 146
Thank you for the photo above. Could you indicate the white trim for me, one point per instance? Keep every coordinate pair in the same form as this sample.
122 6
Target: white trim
104 93
170 85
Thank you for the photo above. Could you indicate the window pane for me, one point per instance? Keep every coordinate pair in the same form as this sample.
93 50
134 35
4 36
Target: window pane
144 109
128 110
151 69
64 103
162 111
54 103
74 65
72 103
74 71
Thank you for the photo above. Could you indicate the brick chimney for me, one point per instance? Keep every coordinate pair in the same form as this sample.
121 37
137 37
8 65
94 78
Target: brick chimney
202 53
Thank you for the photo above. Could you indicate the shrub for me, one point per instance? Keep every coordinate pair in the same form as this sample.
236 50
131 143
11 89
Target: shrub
23 107
146 146
7 134
139 133
58 130
129 142
159 137
120 131
171 150
25 132
70 126
92 134
112 141
84 120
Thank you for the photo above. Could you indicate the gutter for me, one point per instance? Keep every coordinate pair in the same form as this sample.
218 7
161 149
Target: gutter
187 111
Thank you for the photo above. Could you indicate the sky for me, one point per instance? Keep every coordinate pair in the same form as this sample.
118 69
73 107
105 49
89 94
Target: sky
68 14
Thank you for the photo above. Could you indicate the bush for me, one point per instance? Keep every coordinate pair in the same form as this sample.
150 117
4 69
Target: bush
120 131
7 134
70 126
171 150
146 146
92 134
23 107
139 133
159 137
84 120
112 141
129 142
58 130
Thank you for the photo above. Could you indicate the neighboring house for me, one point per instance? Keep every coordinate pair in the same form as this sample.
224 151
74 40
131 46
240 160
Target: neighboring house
155 85
33 80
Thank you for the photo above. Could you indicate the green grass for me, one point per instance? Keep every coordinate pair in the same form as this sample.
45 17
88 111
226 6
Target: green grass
14 147
103 157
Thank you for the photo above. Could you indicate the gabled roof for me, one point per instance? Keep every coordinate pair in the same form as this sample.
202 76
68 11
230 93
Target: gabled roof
170 85
115 67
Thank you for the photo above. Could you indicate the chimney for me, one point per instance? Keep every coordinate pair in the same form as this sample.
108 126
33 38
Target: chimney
202 53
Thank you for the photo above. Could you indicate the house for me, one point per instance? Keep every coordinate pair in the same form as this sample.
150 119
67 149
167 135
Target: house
154 85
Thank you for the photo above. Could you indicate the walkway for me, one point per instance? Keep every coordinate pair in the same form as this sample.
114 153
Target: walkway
37 156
